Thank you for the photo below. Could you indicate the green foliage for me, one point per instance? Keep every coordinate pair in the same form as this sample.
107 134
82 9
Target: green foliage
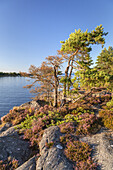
27 123
76 52
105 61
110 103
105 67
99 76
81 40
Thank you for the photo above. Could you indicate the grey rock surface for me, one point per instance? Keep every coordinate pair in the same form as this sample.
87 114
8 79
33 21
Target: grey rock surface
5 127
28 165
52 158
102 145
12 146
31 104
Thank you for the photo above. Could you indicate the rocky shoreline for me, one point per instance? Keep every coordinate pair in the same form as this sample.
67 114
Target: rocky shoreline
53 157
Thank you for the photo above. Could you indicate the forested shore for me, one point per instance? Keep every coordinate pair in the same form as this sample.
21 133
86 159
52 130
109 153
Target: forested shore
12 74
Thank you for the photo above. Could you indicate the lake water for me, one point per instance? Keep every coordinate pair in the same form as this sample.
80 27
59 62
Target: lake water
12 93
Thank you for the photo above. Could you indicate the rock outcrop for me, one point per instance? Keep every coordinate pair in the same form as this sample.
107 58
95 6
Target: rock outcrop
5 127
102 145
12 146
52 158
32 104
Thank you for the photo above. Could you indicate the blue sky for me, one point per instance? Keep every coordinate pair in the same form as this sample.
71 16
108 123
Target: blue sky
31 30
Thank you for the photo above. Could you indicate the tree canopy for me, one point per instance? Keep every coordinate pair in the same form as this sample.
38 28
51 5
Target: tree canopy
75 51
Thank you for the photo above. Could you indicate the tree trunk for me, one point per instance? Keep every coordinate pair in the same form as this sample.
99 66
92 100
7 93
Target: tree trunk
55 97
55 87
72 60
68 88
66 76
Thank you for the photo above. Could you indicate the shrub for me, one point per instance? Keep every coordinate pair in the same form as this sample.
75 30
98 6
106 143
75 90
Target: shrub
110 103
107 118
77 151
88 165
17 115
9 164
67 127
107 114
88 124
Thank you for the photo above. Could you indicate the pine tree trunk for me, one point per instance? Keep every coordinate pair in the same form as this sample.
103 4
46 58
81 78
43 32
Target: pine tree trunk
55 87
66 76
55 97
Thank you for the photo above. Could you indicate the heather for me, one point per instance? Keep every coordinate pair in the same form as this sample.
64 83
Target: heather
77 118
75 150
9 164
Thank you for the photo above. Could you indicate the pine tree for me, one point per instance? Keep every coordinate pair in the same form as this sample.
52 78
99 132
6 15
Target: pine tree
104 66
78 45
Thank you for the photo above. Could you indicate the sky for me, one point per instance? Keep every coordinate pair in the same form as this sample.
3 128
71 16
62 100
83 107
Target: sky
31 30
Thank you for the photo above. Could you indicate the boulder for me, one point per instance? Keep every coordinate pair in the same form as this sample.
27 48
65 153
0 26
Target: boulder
52 158
102 148
12 146
32 104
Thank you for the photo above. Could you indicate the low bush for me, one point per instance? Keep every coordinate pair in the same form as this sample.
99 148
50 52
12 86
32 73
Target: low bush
107 117
88 124
67 128
9 164
17 115
107 114
78 152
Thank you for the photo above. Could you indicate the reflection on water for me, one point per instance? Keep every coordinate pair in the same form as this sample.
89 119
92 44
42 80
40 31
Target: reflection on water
12 93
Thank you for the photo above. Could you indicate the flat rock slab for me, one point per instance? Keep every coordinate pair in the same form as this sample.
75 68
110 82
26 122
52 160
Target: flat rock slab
12 146
52 158
102 145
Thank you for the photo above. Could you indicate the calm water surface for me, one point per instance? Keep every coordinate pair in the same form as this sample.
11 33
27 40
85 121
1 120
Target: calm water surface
12 93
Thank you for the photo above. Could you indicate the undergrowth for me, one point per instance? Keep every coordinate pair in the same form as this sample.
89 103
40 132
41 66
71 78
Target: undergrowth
78 119
9 164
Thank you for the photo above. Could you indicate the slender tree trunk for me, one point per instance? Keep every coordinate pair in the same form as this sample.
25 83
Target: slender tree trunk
55 88
71 65
66 76
55 97
68 87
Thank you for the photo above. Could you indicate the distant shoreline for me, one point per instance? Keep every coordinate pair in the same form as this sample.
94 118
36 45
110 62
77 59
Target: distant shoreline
12 74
